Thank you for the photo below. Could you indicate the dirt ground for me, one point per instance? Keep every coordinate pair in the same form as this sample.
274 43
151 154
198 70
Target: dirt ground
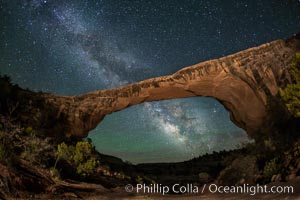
121 194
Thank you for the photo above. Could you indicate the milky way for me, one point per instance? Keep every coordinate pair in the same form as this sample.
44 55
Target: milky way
72 47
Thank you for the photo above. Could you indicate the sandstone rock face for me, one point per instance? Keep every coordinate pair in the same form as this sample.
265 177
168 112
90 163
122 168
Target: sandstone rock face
241 82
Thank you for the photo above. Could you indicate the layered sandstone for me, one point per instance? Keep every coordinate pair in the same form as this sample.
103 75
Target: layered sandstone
242 82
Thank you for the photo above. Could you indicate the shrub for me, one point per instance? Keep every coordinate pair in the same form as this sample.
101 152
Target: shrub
82 151
17 142
87 167
37 150
55 173
271 168
28 130
204 177
291 157
291 94
139 179
64 152
79 156
291 98
269 145
295 68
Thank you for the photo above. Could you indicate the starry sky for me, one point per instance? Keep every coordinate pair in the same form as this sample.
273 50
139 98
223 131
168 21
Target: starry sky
71 47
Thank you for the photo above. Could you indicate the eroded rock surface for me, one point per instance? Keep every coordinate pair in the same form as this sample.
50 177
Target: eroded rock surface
242 82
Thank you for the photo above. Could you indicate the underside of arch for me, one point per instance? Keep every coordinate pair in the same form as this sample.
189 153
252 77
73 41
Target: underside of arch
242 82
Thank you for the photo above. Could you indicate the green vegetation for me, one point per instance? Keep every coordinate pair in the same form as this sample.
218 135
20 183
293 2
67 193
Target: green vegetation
204 177
29 130
291 94
139 179
272 168
295 68
292 156
55 173
37 150
23 143
79 156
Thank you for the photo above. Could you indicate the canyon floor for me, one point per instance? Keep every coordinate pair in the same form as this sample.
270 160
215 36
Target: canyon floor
120 194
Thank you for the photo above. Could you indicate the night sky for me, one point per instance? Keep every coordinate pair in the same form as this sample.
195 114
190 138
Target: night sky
72 47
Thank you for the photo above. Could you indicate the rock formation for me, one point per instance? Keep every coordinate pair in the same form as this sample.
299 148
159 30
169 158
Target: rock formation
242 82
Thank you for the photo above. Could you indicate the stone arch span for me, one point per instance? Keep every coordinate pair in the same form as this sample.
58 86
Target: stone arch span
241 82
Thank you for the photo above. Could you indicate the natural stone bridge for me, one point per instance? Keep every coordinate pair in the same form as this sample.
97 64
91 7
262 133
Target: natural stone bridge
242 82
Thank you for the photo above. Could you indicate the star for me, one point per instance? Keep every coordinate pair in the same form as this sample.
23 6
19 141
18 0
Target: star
73 47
